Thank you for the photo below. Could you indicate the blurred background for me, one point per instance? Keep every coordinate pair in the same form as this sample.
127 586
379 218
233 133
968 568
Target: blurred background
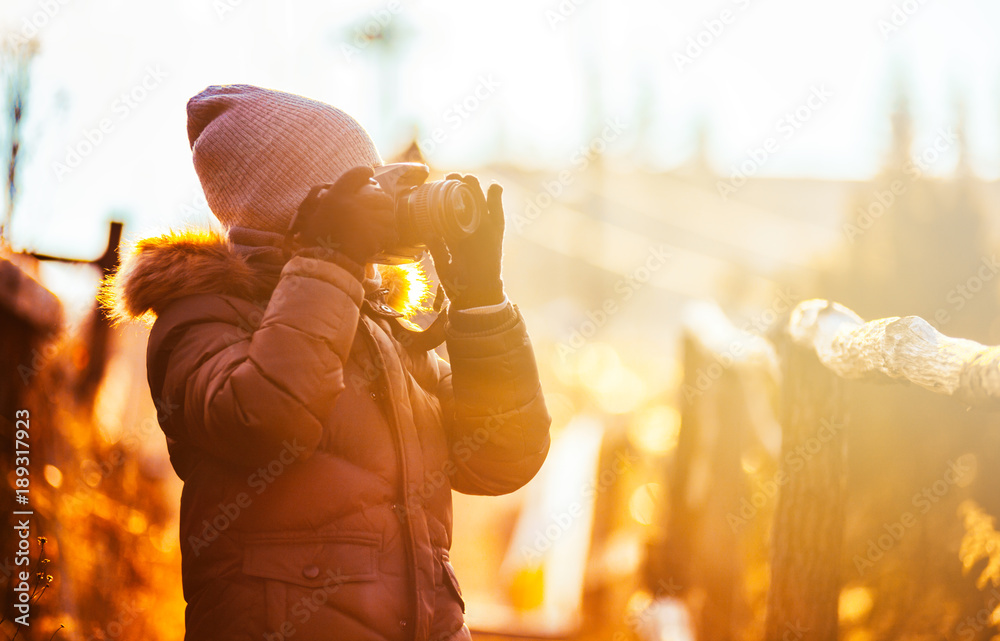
677 177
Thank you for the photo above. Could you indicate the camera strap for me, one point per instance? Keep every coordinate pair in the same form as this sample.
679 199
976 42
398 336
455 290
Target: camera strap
424 340
405 331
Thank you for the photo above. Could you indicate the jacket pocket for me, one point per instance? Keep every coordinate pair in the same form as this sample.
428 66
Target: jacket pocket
315 562
451 580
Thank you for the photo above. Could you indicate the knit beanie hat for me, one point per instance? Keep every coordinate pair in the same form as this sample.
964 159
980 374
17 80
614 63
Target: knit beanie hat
258 152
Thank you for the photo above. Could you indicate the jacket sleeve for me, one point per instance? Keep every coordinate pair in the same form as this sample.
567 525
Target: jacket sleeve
496 419
243 391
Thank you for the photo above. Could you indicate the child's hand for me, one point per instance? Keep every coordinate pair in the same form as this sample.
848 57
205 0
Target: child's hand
353 216
469 269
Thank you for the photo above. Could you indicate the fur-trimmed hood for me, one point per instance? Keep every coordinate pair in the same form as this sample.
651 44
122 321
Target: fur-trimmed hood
157 271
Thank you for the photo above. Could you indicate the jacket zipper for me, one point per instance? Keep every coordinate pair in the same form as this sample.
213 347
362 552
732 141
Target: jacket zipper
386 400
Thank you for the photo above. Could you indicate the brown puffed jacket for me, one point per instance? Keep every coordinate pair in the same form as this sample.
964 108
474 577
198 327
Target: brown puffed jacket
318 450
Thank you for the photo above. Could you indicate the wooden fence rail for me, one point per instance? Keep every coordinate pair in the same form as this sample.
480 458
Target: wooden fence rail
907 349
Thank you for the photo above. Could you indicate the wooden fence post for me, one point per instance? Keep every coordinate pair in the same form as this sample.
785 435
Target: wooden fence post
808 527
699 556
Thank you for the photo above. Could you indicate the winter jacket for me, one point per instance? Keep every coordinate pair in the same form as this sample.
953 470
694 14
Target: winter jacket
318 446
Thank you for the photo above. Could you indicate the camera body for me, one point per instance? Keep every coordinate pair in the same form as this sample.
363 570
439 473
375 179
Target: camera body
446 210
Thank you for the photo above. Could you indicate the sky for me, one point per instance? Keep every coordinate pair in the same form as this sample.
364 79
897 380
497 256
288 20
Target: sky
530 83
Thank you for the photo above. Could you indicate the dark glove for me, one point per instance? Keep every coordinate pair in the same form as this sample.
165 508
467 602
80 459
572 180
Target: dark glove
351 216
469 269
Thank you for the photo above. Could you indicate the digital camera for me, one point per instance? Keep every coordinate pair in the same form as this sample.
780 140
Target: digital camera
443 209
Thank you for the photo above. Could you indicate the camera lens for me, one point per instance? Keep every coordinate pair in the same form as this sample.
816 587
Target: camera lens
444 209
463 209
